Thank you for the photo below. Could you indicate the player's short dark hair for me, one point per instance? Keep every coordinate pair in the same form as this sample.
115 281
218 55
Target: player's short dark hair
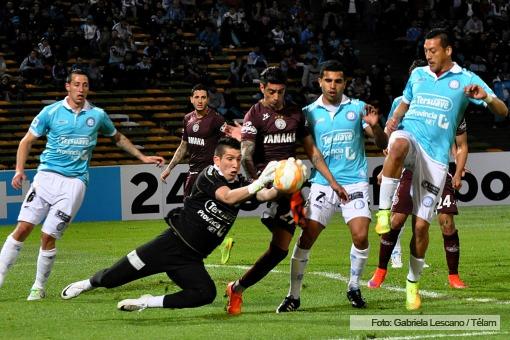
76 71
440 33
198 87
331 65
273 75
417 63
224 143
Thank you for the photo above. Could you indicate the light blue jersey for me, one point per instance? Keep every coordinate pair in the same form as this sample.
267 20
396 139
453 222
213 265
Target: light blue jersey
437 106
71 137
340 138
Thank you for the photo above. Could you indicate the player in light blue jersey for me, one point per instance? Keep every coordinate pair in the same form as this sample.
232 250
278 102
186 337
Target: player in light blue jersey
433 102
71 127
338 125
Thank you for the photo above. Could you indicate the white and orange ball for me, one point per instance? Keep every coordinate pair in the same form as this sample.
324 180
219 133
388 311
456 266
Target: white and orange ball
289 176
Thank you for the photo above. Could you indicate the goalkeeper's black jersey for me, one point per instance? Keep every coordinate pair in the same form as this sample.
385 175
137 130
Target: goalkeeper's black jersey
205 221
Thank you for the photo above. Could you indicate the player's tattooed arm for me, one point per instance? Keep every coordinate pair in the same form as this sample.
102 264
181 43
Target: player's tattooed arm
176 159
178 155
125 144
247 150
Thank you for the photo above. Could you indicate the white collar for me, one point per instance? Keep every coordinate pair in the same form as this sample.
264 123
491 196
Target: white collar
455 69
86 106
217 168
345 100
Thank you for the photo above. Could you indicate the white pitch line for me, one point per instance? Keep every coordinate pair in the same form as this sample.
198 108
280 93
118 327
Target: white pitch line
339 277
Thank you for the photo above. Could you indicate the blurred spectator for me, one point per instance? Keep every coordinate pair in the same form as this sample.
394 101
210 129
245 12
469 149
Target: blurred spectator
314 51
80 64
289 63
216 100
129 6
274 11
175 13
45 52
256 59
59 73
236 71
473 26
3 66
278 35
306 34
80 8
95 74
311 74
123 29
230 28
32 68
12 88
152 50
91 35
257 11
144 68
5 87
359 88
232 105
210 37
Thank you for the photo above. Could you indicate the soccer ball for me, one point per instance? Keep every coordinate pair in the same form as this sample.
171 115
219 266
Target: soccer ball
289 176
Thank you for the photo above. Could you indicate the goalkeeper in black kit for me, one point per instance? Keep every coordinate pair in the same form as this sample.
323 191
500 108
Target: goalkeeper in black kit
194 232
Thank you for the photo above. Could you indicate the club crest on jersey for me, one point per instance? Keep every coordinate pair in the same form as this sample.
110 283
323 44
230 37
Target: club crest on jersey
196 127
351 115
91 122
454 84
280 124
428 201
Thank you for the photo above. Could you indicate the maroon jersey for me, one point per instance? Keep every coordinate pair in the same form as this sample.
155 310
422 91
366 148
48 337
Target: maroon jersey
273 132
202 135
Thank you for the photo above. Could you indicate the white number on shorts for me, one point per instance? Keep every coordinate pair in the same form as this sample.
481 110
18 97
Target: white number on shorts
446 202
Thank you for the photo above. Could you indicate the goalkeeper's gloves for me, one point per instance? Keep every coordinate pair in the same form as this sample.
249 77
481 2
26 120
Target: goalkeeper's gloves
267 176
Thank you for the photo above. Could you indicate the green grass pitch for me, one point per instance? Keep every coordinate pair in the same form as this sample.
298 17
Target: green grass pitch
87 247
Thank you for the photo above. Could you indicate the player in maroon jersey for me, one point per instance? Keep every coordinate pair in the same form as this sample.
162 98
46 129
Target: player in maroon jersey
270 131
202 128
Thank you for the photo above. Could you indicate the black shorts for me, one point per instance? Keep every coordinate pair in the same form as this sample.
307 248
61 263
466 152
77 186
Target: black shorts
278 215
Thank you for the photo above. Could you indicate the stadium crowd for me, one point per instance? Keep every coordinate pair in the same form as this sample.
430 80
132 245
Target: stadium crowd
150 43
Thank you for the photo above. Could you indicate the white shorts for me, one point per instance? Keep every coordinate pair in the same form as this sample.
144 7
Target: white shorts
54 197
429 176
323 202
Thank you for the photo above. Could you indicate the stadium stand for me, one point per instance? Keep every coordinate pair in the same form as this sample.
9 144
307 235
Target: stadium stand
148 97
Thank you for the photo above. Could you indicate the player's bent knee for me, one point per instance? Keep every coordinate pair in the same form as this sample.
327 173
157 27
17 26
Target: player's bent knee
206 294
23 229
277 253
399 149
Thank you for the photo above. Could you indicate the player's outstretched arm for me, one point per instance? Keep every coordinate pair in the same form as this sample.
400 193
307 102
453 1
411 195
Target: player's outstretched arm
235 196
125 144
176 159
317 160
496 105
25 145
